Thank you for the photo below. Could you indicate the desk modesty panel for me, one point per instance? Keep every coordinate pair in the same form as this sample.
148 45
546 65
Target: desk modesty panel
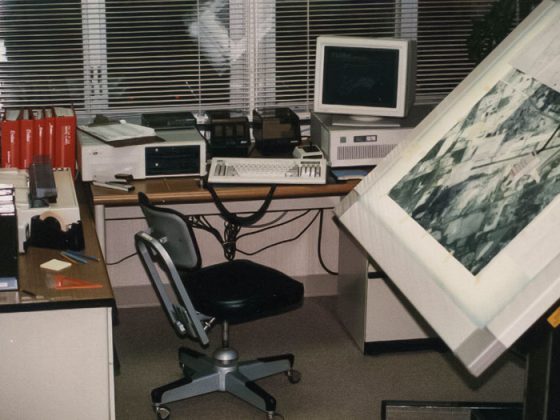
188 191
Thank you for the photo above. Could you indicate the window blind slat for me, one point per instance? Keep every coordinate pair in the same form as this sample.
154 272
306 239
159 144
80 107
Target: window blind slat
441 28
112 56
118 56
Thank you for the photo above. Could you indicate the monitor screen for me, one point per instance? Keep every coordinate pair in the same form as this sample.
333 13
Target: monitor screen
364 76
360 76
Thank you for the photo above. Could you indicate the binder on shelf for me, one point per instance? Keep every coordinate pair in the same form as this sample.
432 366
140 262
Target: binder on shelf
39 131
49 132
26 138
10 139
65 138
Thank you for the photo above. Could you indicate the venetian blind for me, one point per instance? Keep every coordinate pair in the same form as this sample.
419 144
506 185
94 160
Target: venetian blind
119 57
445 31
114 57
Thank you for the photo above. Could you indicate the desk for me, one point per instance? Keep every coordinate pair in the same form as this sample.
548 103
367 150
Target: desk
118 218
56 352
188 190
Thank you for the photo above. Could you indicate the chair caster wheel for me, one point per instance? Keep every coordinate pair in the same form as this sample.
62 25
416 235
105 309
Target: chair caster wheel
162 413
294 376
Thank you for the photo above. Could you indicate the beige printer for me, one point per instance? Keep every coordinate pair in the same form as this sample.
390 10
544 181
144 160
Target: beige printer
181 153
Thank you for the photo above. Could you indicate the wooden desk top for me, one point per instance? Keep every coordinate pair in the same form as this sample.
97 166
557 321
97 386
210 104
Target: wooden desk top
188 190
36 280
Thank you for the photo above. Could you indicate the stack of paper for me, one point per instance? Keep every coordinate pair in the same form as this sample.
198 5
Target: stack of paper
118 131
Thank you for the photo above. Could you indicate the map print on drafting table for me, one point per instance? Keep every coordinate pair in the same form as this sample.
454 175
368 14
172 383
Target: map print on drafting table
491 174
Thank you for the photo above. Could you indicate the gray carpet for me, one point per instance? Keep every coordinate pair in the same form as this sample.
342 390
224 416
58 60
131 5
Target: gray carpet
338 382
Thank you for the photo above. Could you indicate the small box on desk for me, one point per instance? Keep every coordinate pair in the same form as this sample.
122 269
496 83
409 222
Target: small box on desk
229 133
169 120
276 130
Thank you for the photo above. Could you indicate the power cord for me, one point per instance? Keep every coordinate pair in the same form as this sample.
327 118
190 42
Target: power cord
282 242
273 226
122 259
230 240
319 237
231 235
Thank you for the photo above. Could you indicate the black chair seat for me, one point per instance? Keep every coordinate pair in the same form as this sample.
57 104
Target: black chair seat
241 290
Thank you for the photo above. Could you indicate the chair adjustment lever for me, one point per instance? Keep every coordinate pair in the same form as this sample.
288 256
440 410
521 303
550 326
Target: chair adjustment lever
209 324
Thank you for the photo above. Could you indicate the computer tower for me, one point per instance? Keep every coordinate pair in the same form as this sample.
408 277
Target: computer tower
360 144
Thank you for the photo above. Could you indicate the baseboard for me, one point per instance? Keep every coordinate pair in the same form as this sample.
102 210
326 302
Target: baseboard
442 410
144 295
392 346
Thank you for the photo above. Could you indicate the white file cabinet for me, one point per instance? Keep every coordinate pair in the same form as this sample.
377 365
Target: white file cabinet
374 313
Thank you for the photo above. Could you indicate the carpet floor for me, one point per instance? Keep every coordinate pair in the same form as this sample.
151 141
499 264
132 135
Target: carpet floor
338 382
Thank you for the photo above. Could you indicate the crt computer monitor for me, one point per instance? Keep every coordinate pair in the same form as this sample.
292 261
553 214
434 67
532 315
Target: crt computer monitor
366 78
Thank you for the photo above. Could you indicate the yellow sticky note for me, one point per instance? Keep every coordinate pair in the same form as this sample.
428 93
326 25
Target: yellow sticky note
55 265
554 319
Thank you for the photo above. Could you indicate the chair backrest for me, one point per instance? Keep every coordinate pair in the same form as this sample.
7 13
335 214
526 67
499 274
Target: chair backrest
179 308
170 228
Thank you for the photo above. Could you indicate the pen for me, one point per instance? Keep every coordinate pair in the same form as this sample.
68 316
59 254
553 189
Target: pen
80 255
27 292
72 259
114 186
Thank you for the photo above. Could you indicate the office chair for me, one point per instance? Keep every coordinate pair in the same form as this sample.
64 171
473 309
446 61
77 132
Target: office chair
230 292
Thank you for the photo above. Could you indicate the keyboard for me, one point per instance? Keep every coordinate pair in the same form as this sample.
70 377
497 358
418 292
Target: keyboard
229 170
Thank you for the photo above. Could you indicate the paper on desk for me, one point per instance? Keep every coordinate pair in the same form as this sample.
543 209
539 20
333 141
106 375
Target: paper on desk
121 133
55 265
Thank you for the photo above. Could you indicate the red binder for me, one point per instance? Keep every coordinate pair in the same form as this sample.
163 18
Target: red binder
26 138
10 139
65 138
49 133
39 131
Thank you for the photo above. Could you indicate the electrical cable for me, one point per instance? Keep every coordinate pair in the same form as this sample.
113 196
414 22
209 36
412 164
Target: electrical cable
231 231
231 235
274 226
200 222
122 259
230 240
319 238
241 220
283 241
262 225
